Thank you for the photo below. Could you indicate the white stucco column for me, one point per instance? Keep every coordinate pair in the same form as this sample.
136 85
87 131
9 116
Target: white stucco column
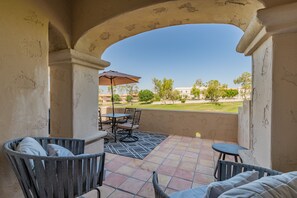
74 94
274 106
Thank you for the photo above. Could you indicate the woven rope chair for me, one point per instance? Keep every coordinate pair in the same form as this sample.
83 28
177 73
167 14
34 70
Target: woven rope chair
56 177
227 170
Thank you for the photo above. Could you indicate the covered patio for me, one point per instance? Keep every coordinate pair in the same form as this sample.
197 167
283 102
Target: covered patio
51 55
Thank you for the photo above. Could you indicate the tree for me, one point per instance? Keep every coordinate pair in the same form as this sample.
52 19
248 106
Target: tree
245 80
119 89
174 95
157 97
131 89
129 98
214 90
116 98
199 83
230 93
145 95
195 92
163 88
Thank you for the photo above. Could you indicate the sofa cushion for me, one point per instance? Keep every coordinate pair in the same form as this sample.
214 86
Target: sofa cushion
284 185
215 189
191 193
31 147
56 150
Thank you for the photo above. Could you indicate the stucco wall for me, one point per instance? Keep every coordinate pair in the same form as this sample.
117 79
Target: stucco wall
284 97
261 104
211 125
61 100
85 101
24 81
244 114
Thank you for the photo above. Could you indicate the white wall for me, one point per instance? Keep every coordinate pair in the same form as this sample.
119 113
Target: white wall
244 114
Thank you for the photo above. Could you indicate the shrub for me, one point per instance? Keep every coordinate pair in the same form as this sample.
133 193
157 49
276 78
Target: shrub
183 100
157 97
145 95
116 98
129 98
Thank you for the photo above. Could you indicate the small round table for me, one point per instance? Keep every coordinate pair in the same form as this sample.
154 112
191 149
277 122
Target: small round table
226 149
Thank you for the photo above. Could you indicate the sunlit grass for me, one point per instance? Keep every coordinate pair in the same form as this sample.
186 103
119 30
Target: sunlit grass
228 107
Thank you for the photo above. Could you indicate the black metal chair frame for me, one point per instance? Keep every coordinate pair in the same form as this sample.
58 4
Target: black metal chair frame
130 111
56 177
126 119
100 122
227 170
130 137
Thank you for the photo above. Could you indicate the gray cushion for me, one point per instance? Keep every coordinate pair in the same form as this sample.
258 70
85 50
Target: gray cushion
30 146
284 185
215 189
56 150
191 193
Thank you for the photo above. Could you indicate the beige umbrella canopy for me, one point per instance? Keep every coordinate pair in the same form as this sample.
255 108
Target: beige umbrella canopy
112 78
116 78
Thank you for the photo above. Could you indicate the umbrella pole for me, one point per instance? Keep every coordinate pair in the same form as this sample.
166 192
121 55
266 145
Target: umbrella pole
112 101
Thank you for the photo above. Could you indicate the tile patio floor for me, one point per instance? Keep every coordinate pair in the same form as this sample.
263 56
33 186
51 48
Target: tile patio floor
181 163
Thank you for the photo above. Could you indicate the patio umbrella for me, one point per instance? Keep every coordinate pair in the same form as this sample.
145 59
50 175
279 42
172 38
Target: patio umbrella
113 78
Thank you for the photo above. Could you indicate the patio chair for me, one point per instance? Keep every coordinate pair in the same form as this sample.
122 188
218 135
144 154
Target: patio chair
129 127
227 170
128 118
56 177
102 123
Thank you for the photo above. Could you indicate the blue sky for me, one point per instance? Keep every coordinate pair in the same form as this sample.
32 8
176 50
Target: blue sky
184 53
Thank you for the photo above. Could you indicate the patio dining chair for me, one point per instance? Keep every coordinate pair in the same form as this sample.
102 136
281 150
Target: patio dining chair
129 118
129 127
56 177
102 123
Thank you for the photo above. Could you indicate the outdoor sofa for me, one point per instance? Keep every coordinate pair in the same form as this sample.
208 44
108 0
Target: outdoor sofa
240 180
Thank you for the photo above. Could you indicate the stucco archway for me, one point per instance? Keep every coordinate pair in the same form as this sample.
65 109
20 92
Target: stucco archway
95 40
265 43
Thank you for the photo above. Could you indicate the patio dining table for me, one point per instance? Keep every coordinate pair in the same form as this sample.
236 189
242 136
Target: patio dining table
114 118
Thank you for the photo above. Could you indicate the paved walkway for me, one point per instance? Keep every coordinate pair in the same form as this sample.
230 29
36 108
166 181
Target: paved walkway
181 163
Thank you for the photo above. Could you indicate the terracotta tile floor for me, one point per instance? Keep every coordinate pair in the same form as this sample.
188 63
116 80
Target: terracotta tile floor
181 163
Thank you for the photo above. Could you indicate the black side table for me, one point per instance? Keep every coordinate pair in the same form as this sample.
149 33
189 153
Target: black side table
226 149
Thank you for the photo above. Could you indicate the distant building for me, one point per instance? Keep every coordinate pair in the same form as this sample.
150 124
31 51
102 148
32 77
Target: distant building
186 91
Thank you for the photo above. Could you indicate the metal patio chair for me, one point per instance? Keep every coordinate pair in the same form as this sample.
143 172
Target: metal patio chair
129 111
129 127
57 177
102 123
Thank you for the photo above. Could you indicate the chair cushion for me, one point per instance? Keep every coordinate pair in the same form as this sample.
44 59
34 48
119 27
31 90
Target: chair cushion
191 193
125 125
56 150
215 189
284 185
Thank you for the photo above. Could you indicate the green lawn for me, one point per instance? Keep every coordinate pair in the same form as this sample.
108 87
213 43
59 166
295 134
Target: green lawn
229 107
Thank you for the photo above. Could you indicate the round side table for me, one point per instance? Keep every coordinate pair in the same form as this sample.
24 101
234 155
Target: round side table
226 149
